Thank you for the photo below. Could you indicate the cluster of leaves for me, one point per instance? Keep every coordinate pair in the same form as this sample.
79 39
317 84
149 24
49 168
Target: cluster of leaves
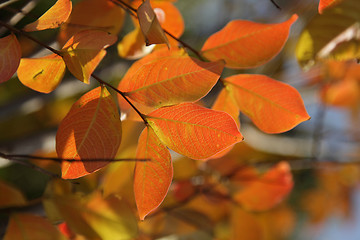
161 89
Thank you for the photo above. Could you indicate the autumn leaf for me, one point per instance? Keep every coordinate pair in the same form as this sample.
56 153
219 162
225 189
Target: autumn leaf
41 74
226 102
344 93
169 79
132 46
10 55
10 196
84 51
150 25
323 4
92 14
152 179
31 227
194 131
91 129
245 44
97 217
52 18
273 106
337 25
267 191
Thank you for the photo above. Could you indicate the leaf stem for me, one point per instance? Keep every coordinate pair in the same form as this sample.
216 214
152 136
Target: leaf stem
19 31
132 11
123 95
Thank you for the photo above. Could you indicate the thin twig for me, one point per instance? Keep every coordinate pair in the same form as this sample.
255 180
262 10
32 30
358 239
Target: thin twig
123 95
276 5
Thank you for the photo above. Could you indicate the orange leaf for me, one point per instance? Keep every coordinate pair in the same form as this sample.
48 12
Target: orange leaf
53 18
226 102
273 106
267 191
132 46
150 25
84 51
10 196
194 131
31 227
323 4
245 44
91 129
41 74
152 179
92 14
170 79
10 55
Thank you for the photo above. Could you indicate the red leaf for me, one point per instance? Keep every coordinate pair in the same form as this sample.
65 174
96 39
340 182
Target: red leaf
245 44
194 131
267 191
323 4
41 74
84 51
91 129
170 79
152 179
273 106
150 25
52 18
10 55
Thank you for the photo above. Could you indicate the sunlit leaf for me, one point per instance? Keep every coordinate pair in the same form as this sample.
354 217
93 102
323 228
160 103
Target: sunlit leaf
91 129
132 46
152 179
245 44
92 14
98 218
267 191
150 25
194 131
52 18
10 196
273 106
84 51
10 55
41 74
31 227
170 79
324 28
226 102
323 4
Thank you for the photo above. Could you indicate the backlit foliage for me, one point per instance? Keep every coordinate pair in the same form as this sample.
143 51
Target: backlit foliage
164 89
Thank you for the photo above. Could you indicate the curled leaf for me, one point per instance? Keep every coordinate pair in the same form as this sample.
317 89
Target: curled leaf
84 51
245 44
150 25
194 131
152 179
273 106
41 74
10 55
52 18
91 130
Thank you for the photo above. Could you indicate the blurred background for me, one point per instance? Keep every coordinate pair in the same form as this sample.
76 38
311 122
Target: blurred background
323 152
